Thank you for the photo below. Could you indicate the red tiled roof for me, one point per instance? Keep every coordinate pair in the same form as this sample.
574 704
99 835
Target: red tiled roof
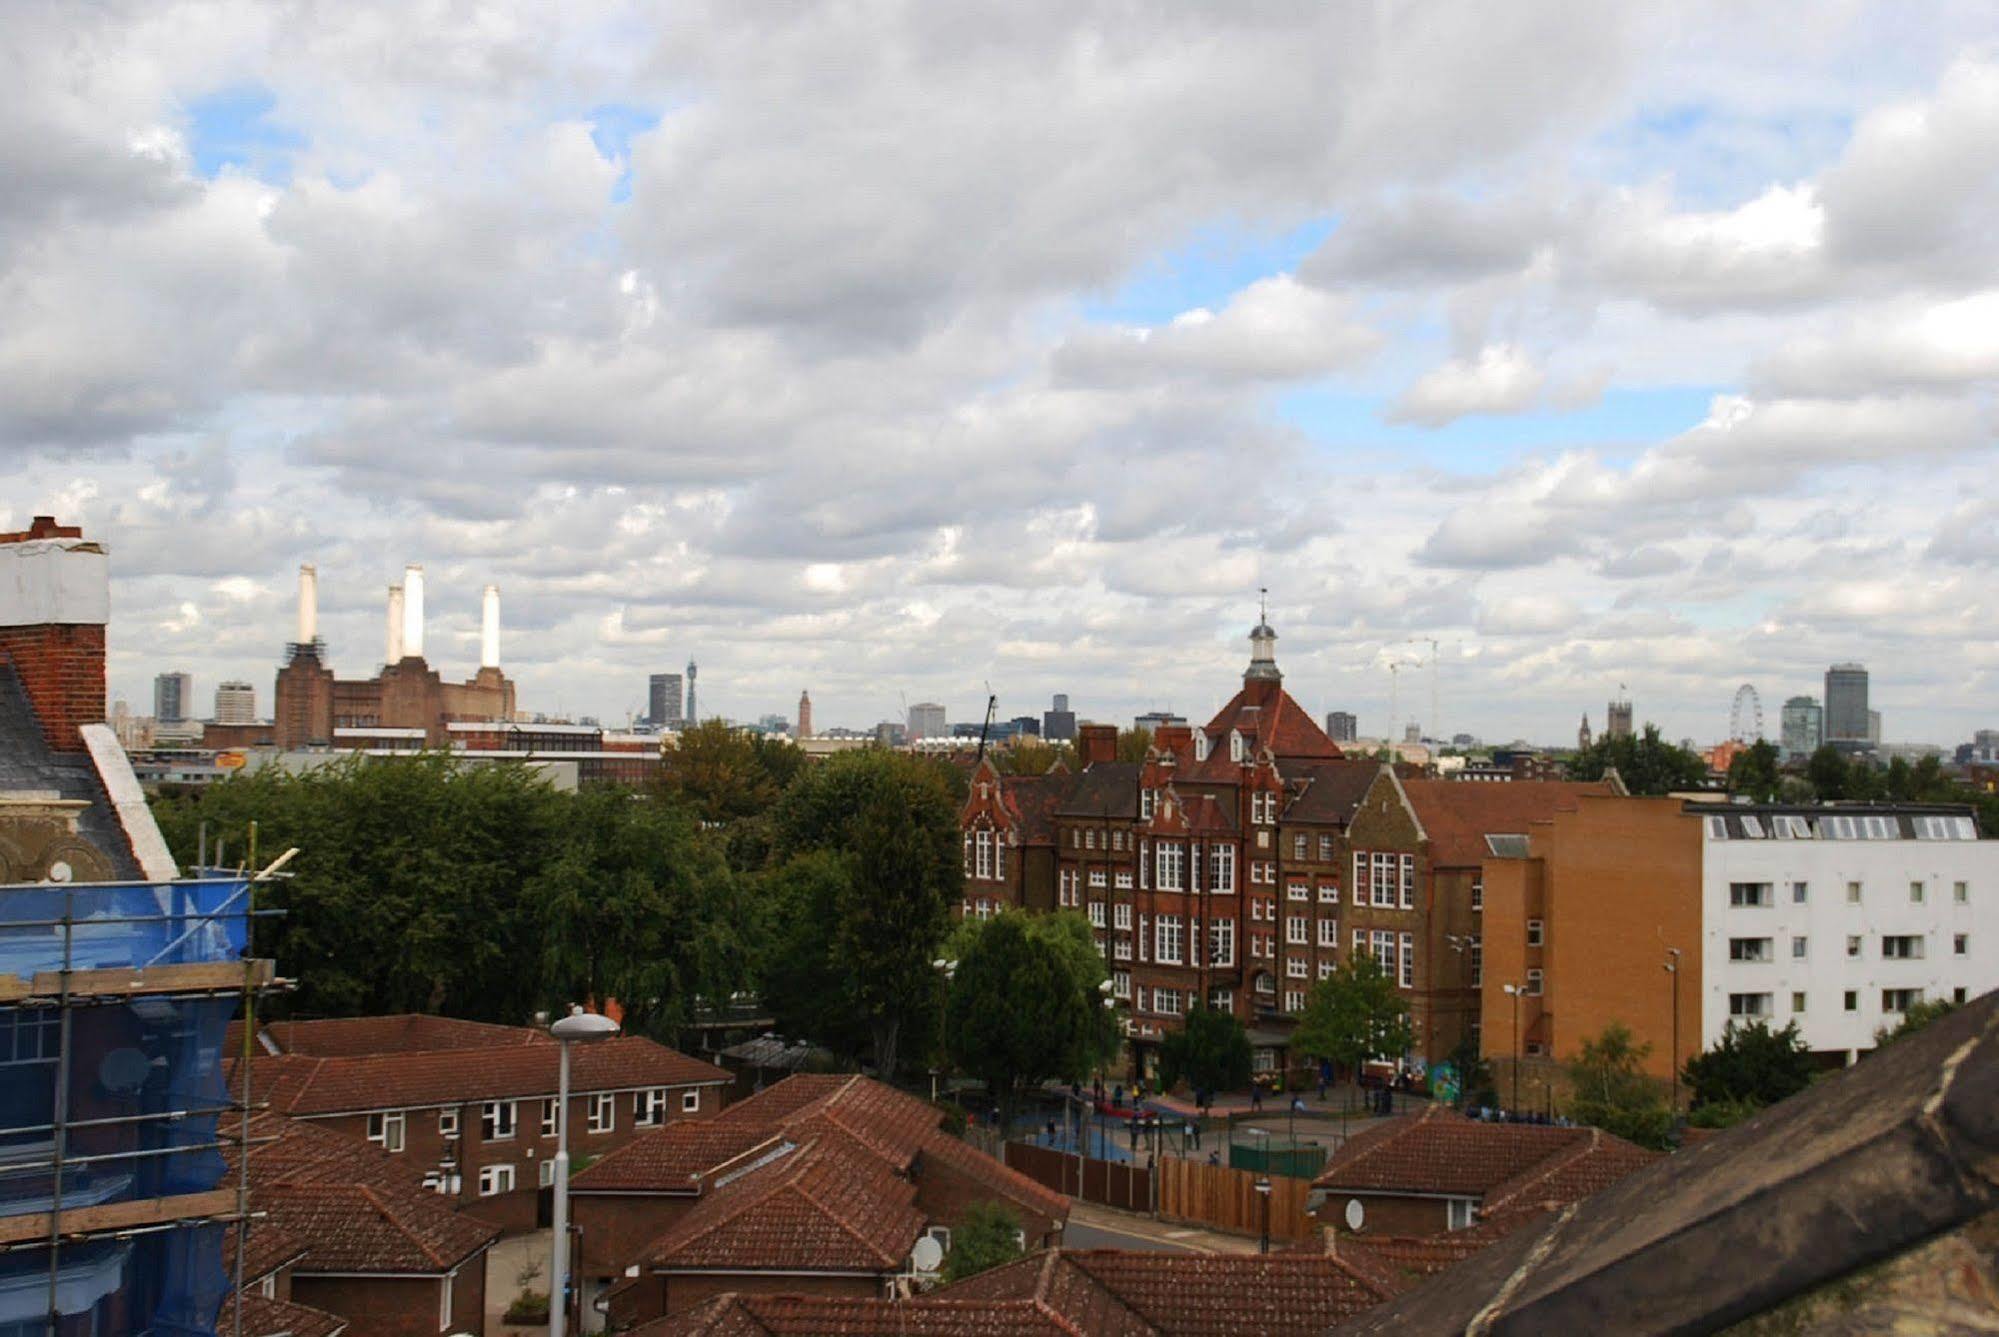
1457 817
271 1247
1443 1153
404 1033
892 1125
352 1205
1594 1164
734 1315
1034 799
1413 1257
1328 791
300 1085
279 1318
1266 714
827 1206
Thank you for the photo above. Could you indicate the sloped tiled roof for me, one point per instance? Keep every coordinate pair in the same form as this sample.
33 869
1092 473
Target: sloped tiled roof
354 1207
674 1158
404 1033
825 1206
1329 791
1108 789
1034 800
271 1247
1444 1153
1457 816
28 763
301 1085
1266 714
1411 1257
735 1315
279 1318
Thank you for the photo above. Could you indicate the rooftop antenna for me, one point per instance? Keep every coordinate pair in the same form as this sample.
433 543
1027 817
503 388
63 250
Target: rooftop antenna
1263 604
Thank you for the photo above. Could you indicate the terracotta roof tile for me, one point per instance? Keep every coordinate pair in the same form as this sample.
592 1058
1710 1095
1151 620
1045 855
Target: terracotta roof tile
280 1318
403 1033
675 1156
1458 815
1413 1257
1440 1152
271 1247
1109 790
735 1315
1268 715
1034 800
300 1085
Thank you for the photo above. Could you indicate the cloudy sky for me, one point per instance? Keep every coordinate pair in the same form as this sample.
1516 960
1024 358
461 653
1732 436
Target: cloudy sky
886 348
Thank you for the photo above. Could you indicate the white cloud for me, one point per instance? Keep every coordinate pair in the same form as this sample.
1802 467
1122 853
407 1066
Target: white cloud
1503 378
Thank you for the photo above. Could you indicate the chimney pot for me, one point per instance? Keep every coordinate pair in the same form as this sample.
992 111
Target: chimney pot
413 611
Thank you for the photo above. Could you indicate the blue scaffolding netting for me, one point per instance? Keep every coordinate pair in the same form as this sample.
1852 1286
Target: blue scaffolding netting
111 1091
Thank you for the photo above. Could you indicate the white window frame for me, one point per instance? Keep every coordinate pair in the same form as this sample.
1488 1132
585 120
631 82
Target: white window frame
1329 933
1221 869
1534 979
1408 960
1172 866
1169 941
649 1107
548 1116
499 1120
1408 890
1098 919
388 1129
1535 933
982 845
1221 942
601 1112
495 1180
447 1121
690 1100
1121 916
1297 931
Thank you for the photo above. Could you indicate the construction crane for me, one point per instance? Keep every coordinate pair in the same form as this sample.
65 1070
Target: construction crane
992 703
1436 722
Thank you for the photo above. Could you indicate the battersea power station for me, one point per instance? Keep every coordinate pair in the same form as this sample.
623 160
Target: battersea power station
408 700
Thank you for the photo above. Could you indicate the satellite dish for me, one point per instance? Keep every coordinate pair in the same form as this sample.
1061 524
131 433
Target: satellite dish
1356 1214
927 1254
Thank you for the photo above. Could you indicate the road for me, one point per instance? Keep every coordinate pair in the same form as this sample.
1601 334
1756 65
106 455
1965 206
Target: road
1077 1236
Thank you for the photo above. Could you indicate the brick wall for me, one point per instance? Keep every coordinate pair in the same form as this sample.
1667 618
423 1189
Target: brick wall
616 1228
1385 1214
945 1193
390 1306
61 667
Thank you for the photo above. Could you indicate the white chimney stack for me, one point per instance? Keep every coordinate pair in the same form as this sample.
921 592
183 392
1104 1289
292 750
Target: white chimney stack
413 611
489 629
308 604
394 654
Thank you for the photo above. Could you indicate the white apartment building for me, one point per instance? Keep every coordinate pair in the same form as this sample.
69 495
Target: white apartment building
1840 918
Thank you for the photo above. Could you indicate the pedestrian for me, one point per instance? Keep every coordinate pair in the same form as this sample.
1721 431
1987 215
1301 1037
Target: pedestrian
1051 1132
1117 1098
1215 1156
1193 1135
1256 1097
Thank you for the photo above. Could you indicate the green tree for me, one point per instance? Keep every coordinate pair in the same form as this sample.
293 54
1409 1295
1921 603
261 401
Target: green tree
1353 1015
805 984
987 1236
1031 756
1612 1091
1828 772
1069 933
1132 744
1646 763
1210 1052
724 773
1914 1020
1754 773
896 817
1751 1064
1015 1013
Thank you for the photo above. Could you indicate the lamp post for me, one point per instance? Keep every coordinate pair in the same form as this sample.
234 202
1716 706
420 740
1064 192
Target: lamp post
1513 992
579 1027
1673 970
1263 1196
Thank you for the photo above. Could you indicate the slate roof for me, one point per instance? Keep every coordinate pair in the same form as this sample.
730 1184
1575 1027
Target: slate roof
1866 1166
1034 800
1109 789
1329 791
279 1318
1458 816
1437 1152
27 763
302 1085
353 1206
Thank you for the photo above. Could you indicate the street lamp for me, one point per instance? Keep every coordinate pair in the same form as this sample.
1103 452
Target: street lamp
1263 1195
1673 969
579 1027
1513 991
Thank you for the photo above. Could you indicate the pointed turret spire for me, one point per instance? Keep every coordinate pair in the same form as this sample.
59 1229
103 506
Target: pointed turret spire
1262 644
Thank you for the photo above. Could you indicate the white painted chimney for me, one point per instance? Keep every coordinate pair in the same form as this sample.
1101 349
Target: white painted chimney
308 603
413 611
489 629
394 653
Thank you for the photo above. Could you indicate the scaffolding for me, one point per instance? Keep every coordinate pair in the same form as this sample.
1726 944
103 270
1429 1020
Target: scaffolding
115 1004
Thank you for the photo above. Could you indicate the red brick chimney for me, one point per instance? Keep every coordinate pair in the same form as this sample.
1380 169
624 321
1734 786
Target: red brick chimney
1174 739
1096 742
55 598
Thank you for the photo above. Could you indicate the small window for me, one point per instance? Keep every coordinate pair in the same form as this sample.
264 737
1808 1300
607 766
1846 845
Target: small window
1749 949
1749 1005
545 1172
495 1180
603 1110
1902 947
1852 1000
1797 1001
1853 944
1478 891
1895 1001
1960 892
1960 944
548 1117
1717 828
496 1120
1750 895
690 1101
1853 893
1533 933
1457 1213
1534 983
1800 948
447 1122
385 1129
649 1107
1800 893
1957 995
1915 893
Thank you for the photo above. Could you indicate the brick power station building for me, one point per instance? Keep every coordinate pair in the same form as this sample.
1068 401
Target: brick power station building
316 709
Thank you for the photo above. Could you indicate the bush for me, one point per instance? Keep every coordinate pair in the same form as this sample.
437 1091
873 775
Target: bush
988 1236
528 1307
1723 1113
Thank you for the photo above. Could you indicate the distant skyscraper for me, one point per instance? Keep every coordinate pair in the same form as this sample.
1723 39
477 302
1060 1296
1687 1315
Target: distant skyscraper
804 715
693 716
1059 724
1342 726
663 705
173 693
1846 703
1873 726
1801 727
926 720
1152 721
1617 719
235 703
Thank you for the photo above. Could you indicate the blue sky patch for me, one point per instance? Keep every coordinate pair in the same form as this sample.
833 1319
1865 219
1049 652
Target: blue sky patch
613 125
1205 272
233 128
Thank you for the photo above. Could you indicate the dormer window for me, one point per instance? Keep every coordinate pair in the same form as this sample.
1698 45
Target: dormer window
1200 747
1146 798
1237 748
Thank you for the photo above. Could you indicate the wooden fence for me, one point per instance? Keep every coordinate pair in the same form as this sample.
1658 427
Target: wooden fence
1215 1195
1128 1187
